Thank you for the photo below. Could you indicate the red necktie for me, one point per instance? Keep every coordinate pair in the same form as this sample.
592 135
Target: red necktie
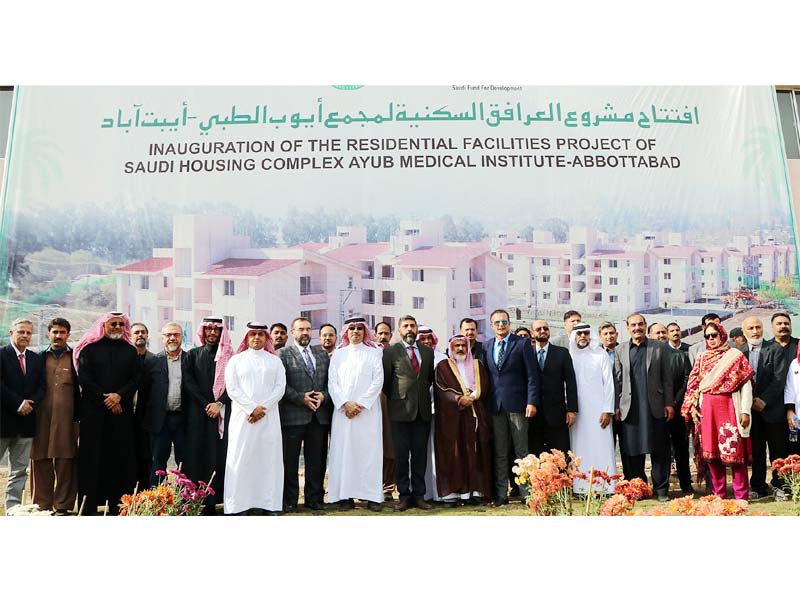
22 363
414 362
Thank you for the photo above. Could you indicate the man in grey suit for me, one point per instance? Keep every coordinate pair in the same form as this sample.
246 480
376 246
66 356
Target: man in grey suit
644 404
305 411
408 376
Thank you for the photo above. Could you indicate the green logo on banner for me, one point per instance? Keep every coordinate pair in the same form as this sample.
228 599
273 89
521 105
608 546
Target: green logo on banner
348 87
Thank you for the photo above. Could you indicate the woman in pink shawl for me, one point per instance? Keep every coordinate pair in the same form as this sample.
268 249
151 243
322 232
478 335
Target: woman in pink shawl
718 399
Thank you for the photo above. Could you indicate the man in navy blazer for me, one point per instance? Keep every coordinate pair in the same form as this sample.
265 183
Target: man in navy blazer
514 395
23 385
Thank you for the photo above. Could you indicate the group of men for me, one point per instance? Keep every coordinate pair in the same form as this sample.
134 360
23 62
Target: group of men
377 416
774 402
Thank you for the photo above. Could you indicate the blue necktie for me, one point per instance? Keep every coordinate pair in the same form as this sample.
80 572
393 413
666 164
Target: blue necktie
309 364
541 359
501 354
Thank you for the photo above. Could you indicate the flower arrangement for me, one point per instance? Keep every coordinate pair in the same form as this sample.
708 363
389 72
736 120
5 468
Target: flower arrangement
549 480
616 505
635 489
707 506
176 495
626 493
789 469
601 483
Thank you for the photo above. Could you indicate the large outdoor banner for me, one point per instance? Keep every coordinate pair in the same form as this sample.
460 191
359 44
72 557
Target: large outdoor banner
443 202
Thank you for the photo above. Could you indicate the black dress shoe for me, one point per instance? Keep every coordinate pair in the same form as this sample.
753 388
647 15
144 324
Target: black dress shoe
423 504
290 508
374 506
477 501
347 504
500 502
663 498
315 505
402 506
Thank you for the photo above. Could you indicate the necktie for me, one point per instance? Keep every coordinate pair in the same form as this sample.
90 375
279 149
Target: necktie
22 363
541 358
501 353
309 364
414 362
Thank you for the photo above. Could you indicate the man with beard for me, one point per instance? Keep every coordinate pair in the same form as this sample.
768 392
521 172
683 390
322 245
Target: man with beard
207 407
354 381
108 372
149 365
165 416
327 338
550 427
383 336
305 411
591 437
463 429
255 381
408 376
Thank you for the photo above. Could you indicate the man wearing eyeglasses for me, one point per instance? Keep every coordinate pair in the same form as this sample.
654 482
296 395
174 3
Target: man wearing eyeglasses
514 397
645 402
108 372
165 416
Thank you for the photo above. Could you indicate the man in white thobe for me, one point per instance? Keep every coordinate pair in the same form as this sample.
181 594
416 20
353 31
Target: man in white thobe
591 437
255 381
355 379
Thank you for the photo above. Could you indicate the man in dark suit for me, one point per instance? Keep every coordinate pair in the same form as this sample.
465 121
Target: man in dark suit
165 416
768 414
645 403
408 375
149 365
23 386
680 367
305 411
558 393
514 395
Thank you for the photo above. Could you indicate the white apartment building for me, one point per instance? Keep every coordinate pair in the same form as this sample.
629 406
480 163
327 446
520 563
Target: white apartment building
774 262
209 270
654 269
